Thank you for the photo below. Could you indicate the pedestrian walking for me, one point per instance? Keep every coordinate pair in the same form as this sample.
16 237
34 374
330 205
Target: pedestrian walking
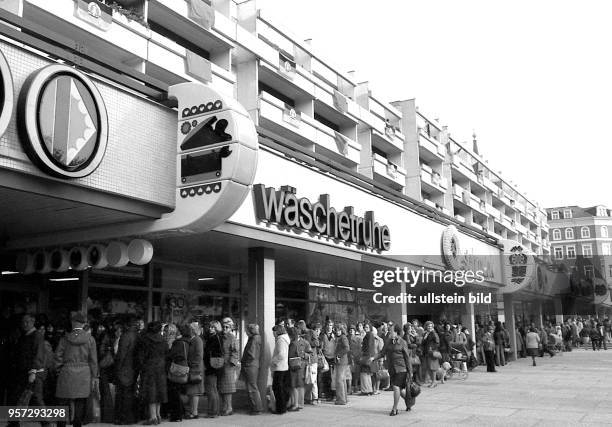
532 342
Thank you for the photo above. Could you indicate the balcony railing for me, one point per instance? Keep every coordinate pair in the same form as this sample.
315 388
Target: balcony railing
389 173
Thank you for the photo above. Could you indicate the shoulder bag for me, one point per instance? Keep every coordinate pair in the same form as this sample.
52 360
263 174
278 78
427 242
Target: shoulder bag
217 362
179 374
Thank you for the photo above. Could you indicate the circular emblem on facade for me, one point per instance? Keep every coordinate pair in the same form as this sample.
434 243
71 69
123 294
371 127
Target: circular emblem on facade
7 97
64 127
451 251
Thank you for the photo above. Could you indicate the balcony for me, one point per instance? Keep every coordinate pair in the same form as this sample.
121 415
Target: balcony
430 149
495 213
288 82
507 222
459 166
117 39
388 173
167 61
276 116
460 218
388 143
171 18
432 182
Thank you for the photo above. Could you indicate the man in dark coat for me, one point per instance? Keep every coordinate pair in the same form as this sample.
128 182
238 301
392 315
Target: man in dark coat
29 363
125 375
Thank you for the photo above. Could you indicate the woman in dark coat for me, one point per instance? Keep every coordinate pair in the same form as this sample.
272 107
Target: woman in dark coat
400 370
368 351
445 342
151 355
196 367
431 344
106 360
250 367
227 379
179 355
298 348
212 348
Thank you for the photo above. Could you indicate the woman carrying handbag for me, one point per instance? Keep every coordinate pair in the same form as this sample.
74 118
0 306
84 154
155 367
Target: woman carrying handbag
178 374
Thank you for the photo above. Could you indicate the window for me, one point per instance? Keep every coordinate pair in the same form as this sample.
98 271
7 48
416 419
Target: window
605 249
558 253
567 213
569 233
571 252
604 231
610 270
556 234
588 271
587 251
585 233
601 211
555 215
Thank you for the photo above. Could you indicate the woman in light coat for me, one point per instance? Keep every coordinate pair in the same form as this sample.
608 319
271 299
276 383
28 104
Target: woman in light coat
279 365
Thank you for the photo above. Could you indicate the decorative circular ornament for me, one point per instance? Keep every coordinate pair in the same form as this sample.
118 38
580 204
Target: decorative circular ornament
63 122
96 256
42 262
78 258
451 251
25 263
7 96
117 254
140 251
60 260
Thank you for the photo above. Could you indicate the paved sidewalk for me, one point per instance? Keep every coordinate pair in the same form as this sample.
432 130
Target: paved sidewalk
570 389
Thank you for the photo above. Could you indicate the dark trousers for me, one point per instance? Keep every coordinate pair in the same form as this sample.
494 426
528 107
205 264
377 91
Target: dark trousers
281 386
124 403
175 405
80 411
490 359
37 395
251 373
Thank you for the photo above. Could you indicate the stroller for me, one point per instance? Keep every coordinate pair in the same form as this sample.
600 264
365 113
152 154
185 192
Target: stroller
459 361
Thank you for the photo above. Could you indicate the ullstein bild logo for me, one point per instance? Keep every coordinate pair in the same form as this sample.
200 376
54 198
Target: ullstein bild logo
283 207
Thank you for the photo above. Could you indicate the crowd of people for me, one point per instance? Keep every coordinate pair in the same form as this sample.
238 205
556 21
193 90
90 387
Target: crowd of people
135 372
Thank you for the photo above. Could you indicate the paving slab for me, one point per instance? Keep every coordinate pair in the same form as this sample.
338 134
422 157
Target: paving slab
572 390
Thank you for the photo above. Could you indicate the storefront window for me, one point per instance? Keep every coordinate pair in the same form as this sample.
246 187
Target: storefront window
109 304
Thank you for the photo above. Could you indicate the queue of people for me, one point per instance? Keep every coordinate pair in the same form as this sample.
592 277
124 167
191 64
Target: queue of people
145 373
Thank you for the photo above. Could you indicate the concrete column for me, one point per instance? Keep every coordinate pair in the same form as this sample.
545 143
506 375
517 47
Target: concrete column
558 310
261 307
510 323
539 316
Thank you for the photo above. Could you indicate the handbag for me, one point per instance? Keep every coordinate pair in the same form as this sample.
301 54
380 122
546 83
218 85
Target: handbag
216 362
415 389
436 354
322 363
25 397
179 374
415 360
107 361
195 378
295 363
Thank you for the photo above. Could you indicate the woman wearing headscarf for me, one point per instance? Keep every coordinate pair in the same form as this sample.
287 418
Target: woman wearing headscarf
431 345
227 381
398 360
213 354
279 365
151 355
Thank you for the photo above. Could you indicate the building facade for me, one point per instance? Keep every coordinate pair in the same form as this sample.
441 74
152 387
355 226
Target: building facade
580 245
174 159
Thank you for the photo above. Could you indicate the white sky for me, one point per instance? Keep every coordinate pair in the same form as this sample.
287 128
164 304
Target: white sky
532 77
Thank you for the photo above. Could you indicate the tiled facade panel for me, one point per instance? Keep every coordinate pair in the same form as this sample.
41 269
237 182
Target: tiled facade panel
140 156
